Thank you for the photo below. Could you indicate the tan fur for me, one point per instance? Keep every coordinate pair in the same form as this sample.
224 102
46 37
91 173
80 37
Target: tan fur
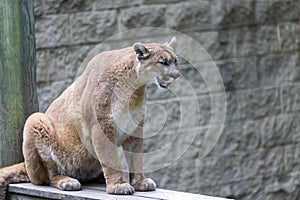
12 174
80 131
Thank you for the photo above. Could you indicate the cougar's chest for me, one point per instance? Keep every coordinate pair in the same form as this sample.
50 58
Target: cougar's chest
127 111
126 121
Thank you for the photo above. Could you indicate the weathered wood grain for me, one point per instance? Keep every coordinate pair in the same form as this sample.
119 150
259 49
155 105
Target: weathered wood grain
17 76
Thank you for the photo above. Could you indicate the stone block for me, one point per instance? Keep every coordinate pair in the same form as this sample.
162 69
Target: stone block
247 189
283 187
217 170
244 190
174 114
252 104
185 112
146 2
239 74
289 35
67 6
239 41
191 83
232 13
292 157
42 63
52 31
172 145
195 141
237 139
255 40
101 5
47 94
275 70
38 8
212 76
154 141
93 27
205 110
180 16
67 61
50 6
218 44
143 16
180 175
263 162
162 115
59 64
290 97
273 11
280 130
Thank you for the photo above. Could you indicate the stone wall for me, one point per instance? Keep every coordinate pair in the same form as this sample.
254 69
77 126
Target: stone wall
255 44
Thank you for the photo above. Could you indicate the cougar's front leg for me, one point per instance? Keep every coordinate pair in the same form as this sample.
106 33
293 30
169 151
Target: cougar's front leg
133 147
103 138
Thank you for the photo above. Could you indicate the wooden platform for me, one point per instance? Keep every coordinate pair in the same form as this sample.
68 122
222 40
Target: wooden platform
28 191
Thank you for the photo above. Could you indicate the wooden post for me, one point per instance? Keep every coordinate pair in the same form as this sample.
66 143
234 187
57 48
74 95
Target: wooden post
18 98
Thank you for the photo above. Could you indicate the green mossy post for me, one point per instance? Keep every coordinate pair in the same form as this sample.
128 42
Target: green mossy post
18 98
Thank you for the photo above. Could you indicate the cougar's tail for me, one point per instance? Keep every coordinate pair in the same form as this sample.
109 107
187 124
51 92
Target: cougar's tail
12 174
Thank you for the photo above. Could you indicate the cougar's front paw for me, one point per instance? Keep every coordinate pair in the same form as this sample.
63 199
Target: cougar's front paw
71 184
66 183
145 185
120 188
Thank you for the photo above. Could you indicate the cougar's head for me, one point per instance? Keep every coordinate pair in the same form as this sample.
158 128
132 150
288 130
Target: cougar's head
158 62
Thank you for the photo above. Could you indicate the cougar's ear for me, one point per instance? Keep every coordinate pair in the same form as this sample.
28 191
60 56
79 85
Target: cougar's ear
171 42
142 53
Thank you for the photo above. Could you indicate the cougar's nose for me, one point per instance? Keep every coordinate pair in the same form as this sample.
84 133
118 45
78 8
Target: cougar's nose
175 74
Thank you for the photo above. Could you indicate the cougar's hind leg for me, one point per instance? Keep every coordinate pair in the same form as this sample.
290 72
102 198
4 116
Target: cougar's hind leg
38 131
40 151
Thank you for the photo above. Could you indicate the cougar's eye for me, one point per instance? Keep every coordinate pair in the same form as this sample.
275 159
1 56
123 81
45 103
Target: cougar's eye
164 62
175 61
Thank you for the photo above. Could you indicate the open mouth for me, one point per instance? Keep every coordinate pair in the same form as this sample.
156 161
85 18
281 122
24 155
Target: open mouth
164 83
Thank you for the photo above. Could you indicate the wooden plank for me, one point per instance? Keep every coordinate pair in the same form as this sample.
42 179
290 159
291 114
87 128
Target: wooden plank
17 76
174 195
162 194
12 196
98 192
53 193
